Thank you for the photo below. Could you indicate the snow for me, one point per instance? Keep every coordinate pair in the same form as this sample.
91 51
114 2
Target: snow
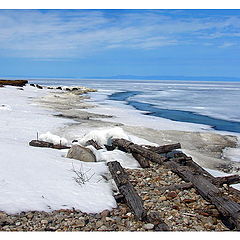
41 179
104 136
216 173
52 138
232 153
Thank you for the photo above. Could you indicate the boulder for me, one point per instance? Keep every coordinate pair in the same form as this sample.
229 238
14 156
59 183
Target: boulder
81 153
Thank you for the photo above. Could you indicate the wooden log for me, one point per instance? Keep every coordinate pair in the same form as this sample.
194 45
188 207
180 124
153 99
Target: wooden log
233 179
38 143
94 144
155 219
144 163
19 83
229 209
38 86
109 148
162 149
132 198
127 146
119 198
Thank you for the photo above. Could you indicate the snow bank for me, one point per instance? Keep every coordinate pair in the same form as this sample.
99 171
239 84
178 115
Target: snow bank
41 179
104 136
125 159
49 137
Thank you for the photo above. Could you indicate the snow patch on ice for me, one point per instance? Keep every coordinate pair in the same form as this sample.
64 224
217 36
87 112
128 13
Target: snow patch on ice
232 154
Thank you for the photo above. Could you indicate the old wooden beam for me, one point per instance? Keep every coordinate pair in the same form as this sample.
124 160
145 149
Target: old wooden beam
144 163
155 219
127 146
233 179
229 209
19 83
131 196
38 143
163 149
94 144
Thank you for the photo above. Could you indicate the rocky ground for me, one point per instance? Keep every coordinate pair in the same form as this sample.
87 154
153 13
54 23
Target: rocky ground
181 210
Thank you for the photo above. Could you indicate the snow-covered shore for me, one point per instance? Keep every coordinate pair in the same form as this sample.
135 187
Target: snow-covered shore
42 179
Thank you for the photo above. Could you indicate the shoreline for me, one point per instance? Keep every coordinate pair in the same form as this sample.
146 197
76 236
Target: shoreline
205 147
197 215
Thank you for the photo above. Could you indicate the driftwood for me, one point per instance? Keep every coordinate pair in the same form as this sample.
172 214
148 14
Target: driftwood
19 83
94 144
233 179
129 195
206 185
144 163
229 209
38 143
127 146
133 200
109 148
155 219
162 149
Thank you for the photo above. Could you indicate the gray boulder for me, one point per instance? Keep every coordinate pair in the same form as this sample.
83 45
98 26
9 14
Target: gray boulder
81 153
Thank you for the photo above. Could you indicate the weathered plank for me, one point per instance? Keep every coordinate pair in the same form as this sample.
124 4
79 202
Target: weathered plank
38 143
127 146
233 179
159 224
229 209
162 149
144 163
19 83
94 144
132 198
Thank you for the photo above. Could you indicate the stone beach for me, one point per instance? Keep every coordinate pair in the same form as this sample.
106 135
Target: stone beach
181 210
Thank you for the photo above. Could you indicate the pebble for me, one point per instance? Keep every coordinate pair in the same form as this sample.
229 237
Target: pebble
162 198
105 213
44 221
148 226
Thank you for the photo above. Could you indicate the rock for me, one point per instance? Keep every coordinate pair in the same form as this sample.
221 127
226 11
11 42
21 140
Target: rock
105 213
188 200
81 223
172 195
18 223
99 224
103 228
148 226
162 198
81 153
44 221
109 219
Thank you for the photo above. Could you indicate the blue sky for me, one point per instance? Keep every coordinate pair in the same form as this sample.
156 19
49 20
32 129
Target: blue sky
88 43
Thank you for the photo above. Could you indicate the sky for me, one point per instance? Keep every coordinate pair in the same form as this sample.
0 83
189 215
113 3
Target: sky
103 43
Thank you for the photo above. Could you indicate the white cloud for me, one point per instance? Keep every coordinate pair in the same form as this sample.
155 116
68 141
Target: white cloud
56 33
227 44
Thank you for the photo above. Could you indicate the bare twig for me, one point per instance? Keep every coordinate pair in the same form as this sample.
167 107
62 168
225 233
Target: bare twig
81 176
